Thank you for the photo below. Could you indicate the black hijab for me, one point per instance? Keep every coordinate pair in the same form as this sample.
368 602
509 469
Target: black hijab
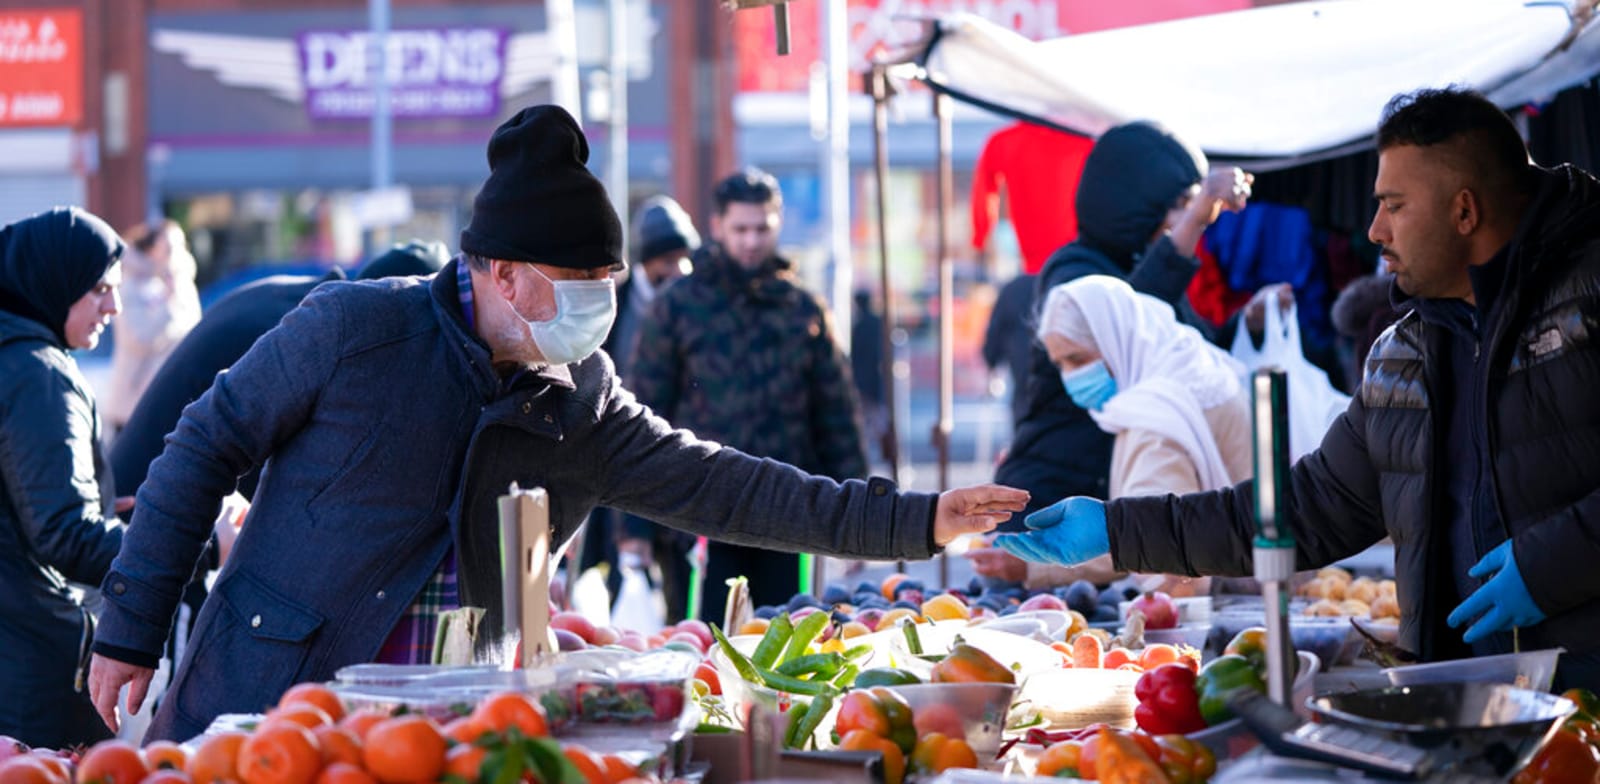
1132 177
50 260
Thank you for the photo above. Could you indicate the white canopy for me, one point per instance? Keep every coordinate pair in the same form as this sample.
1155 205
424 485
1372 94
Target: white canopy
1286 83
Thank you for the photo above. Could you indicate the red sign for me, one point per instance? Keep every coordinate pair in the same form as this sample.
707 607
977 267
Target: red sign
41 67
873 25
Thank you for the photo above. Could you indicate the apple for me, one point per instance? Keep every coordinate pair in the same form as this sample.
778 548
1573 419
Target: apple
575 623
699 629
692 640
1158 609
633 641
569 641
1042 601
606 635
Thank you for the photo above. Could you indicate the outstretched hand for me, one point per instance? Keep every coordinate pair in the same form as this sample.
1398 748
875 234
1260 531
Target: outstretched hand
974 510
1066 533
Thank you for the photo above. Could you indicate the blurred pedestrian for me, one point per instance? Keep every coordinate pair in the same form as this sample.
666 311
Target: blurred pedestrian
59 273
663 238
1008 340
739 353
159 306
866 365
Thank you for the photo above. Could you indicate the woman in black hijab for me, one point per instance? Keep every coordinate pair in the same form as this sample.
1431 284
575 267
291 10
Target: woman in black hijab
58 291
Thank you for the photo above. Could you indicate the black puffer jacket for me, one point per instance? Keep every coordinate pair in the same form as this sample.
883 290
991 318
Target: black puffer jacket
56 520
1372 475
1132 177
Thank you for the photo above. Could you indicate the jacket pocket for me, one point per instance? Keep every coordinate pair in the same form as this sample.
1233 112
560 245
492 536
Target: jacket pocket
249 653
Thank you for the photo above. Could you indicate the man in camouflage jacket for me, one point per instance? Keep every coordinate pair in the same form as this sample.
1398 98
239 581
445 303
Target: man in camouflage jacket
739 353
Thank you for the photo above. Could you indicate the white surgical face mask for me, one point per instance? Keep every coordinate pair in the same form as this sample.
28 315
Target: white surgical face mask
584 312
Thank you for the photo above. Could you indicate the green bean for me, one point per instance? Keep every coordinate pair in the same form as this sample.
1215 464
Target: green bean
804 632
772 642
820 705
822 666
741 664
794 685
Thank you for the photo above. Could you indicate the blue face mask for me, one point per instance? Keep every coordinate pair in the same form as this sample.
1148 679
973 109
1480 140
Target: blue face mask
1089 386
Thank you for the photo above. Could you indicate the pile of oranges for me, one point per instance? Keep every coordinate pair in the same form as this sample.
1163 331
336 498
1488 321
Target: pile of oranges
309 739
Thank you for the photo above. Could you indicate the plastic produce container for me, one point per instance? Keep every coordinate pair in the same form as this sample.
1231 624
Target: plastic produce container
978 709
1534 670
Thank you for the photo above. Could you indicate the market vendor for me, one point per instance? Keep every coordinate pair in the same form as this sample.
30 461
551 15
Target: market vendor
391 414
1472 440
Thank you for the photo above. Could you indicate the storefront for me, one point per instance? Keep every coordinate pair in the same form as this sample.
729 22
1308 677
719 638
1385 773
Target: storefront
41 109
259 121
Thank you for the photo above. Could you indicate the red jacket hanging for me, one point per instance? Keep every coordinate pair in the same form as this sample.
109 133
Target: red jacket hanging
1038 167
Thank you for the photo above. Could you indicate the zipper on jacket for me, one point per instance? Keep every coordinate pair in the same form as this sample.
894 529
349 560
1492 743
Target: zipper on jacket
80 676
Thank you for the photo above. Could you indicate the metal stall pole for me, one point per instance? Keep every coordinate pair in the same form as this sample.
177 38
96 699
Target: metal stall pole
878 88
1274 550
942 427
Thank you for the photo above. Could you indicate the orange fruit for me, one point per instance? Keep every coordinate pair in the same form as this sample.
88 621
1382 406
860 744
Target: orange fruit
29 769
338 745
302 713
405 749
314 694
465 761
58 765
217 759
890 583
464 729
589 764
165 754
359 722
509 709
168 776
112 762
279 753
617 769
345 773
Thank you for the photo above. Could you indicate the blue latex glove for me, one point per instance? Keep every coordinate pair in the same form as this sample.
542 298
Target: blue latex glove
1067 532
1503 602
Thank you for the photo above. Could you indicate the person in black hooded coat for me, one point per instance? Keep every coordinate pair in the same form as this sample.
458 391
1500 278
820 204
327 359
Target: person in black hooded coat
58 290
1142 203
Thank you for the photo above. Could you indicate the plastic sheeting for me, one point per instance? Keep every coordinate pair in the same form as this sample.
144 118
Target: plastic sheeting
1283 84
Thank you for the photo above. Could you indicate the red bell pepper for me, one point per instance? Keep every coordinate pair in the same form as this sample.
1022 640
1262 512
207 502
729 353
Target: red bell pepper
1168 702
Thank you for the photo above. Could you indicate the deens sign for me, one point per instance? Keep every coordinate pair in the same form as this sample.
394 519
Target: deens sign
452 72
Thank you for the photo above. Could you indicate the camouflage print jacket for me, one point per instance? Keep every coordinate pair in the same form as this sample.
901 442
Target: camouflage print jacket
749 360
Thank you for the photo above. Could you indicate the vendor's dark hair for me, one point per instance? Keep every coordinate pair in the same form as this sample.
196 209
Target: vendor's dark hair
1492 148
751 186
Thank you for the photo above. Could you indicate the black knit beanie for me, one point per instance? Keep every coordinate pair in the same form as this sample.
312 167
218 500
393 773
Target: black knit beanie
50 260
413 258
540 203
1132 177
660 226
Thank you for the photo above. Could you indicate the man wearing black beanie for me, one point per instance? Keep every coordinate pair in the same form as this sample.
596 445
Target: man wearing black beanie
391 415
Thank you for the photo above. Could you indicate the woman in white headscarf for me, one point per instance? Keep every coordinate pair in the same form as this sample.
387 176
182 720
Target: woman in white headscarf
1174 402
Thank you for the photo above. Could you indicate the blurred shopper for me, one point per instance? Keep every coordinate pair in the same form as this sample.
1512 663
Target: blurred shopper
739 353
159 306
866 367
1471 440
1143 201
1008 340
392 414
663 238
59 273
1173 403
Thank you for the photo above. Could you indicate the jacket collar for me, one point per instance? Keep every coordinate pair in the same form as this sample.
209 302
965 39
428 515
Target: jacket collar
768 282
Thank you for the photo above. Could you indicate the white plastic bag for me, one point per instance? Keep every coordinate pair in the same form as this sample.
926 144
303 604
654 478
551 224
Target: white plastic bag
1313 401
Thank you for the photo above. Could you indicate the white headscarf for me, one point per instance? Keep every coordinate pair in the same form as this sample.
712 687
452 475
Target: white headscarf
1167 374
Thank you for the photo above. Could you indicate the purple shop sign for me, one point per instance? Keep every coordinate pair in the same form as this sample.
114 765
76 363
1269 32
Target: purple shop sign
432 72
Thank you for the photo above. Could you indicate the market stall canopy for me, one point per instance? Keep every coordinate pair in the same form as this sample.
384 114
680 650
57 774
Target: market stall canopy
1275 85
